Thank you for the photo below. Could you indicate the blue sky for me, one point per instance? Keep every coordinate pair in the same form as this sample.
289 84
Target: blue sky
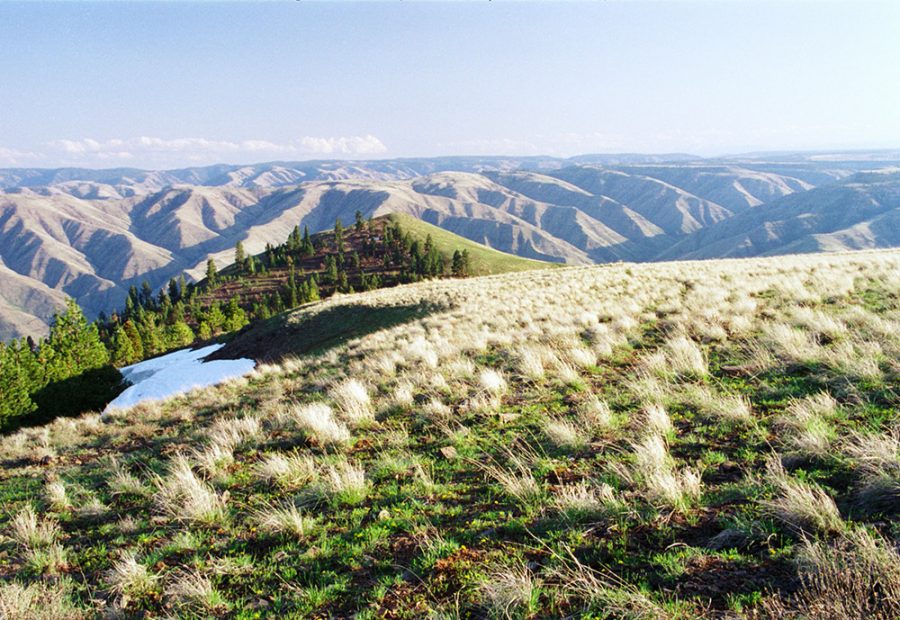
161 84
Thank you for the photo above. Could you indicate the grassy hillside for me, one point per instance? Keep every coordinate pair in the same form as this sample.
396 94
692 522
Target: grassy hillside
484 260
675 440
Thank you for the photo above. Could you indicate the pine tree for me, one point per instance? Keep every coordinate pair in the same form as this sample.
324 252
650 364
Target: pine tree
73 345
456 264
178 334
204 332
211 272
215 317
122 351
313 288
239 254
183 291
331 270
338 234
360 222
146 294
137 345
14 382
306 246
174 290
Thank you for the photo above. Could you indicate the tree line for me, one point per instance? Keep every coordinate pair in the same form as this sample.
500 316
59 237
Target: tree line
73 368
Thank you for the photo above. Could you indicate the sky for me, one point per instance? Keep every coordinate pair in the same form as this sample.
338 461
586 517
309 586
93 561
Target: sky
169 84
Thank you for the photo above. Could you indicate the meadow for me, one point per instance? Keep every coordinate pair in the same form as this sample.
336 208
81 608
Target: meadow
713 439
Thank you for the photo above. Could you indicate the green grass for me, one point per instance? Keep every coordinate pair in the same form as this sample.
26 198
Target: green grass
438 533
483 260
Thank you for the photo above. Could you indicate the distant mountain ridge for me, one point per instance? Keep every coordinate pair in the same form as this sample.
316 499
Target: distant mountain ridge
90 234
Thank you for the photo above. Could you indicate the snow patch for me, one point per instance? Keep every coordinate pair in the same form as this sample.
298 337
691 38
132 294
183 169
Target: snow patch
176 373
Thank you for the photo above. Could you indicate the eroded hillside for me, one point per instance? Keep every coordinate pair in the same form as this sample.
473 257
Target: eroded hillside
93 234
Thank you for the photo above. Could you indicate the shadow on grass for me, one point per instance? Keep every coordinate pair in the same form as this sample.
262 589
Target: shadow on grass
90 391
315 332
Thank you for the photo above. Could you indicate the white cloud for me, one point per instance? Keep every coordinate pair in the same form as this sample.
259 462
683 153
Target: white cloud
13 157
200 149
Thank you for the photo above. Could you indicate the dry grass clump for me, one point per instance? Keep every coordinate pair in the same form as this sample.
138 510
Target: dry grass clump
510 589
727 408
516 478
39 600
122 482
583 498
594 415
437 411
492 382
129 578
685 357
657 419
318 421
791 344
529 363
352 400
285 520
57 496
182 496
804 507
818 323
344 482
403 394
653 470
856 358
193 592
805 425
601 590
290 471
213 459
856 576
32 532
877 458
234 433
566 434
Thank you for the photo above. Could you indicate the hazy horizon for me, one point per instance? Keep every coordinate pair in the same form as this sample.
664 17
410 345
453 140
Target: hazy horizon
167 84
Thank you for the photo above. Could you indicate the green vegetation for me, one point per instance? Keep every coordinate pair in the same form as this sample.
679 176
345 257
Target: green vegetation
482 259
711 439
39 379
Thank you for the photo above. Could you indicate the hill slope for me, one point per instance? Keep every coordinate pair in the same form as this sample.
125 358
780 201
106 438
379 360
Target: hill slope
709 439
93 234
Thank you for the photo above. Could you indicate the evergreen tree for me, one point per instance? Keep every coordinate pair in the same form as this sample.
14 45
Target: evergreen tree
204 332
306 246
182 287
178 334
122 351
146 294
73 345
215 317
174 290
338 235
211 272
137 345
360 222
15 385
239 254
313 288
331 270
343 284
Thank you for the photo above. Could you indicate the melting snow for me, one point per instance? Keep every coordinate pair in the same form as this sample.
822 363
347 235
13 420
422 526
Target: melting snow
176 373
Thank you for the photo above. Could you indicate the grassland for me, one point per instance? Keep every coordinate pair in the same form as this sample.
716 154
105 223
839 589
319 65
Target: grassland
674 440
483 260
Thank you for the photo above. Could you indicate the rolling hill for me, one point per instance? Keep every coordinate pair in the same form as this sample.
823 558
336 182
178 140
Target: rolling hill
92 234
710 439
